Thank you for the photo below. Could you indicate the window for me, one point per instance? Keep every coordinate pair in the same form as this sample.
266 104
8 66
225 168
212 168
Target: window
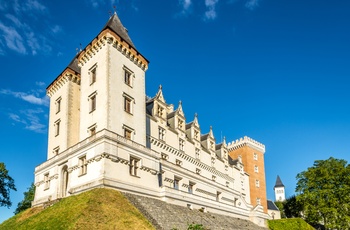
257 183
213 178
256 168
93 74
218 196
161 133
92 99
83 165
198 151
160 111
176 183
92 130
181 145
47 181
258 201
211 145
134 165
190 188
196 134
128 103
128 132
58 105
180 124
57 127
128 76
255 156
56 150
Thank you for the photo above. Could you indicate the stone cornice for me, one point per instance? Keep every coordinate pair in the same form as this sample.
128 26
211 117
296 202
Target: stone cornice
107 36
246 141
67 75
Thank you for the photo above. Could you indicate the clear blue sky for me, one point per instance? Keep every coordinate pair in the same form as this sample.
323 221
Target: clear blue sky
276 71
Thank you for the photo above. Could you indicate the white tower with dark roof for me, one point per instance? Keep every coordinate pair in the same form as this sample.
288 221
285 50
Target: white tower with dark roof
279 190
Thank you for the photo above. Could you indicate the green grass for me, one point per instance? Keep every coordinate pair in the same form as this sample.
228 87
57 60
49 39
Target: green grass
289 224
95 209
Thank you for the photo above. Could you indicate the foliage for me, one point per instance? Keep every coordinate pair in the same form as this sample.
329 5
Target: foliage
292 207
324 191
94 209
6 184
280 206
27 200
289 224
195 227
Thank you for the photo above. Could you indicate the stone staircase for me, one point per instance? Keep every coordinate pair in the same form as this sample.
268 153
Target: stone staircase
168 216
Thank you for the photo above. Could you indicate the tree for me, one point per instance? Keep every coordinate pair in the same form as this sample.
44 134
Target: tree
280 206
292 207
27 200
6 185
324 192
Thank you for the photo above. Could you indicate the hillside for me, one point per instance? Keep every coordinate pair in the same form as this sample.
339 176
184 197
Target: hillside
95 209
289 224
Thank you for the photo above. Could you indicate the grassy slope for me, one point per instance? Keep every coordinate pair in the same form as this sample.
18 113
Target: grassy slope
95 209
289 224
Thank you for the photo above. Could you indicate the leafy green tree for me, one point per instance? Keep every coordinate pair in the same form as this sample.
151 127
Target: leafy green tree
324 192
6 185
27 200
293 208
280 206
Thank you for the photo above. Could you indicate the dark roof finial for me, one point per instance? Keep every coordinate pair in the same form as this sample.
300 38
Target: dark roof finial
115 9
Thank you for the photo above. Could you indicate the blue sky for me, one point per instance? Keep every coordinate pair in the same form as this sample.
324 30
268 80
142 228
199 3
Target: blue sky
276 71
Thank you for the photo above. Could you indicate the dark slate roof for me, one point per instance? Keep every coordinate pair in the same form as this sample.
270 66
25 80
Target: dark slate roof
278 182
172 114
188 125
117 27
218 146
204 137
231 161
271 206
74 65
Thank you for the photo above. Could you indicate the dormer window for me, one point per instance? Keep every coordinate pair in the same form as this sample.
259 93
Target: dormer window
196 135
160 111
211 145
180 124
198 151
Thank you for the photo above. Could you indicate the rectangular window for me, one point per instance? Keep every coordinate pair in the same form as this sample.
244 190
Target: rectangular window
255 156
198 151
57 127
176 183
92 131
128 132
190 188
46 181
128 77
257 183
134 165
181 145
160 111
258 201
92 100
127 104
56 150
83 165
256 168
93 74
58 105
161 133
218 196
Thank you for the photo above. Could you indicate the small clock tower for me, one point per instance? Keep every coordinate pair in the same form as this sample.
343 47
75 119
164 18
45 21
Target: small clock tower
279 190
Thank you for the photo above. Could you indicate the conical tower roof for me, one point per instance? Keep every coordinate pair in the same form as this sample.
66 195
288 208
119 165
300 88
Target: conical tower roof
117 27
278 182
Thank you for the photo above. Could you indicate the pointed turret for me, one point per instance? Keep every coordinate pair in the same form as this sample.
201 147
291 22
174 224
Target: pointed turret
279 183
117 27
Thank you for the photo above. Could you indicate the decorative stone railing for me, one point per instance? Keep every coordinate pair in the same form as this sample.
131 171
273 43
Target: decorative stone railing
246 141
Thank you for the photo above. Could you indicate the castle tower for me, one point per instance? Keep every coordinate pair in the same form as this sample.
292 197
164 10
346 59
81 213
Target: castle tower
279 190
252 155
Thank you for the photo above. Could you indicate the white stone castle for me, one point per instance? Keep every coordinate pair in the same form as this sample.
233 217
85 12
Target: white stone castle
105 132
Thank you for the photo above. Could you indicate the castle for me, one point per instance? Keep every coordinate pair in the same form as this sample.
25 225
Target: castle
105 132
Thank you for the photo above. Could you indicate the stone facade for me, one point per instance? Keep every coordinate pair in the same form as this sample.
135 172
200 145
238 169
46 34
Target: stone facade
105 132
